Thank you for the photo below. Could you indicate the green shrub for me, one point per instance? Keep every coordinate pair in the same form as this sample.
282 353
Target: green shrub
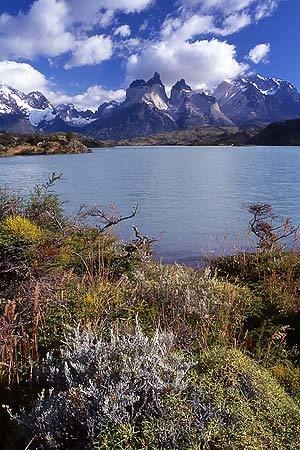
229 403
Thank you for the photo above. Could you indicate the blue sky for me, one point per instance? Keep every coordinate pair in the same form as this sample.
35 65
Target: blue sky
86 51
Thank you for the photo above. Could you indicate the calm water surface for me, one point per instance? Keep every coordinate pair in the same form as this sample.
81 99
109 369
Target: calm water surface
193 198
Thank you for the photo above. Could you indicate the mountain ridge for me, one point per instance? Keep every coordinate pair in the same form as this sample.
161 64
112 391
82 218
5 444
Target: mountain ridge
147 109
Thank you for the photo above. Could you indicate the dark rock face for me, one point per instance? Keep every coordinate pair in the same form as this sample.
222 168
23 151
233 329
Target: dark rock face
151 92
144 111
15 123
55 125
154 80
190 108
105 109
134 120
179 92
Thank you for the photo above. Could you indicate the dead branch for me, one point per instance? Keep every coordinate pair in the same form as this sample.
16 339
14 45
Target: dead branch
106 220
263 226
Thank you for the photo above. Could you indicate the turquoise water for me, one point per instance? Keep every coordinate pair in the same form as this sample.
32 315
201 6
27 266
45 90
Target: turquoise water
193 199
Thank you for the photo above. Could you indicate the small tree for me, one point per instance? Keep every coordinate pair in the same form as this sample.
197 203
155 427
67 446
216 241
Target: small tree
268 227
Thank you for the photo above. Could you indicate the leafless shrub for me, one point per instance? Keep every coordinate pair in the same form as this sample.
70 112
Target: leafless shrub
268 228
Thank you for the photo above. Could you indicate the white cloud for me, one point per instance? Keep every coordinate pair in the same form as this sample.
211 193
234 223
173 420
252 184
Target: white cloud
55 27
202 63
91 51
260 53
88 11
40 32
182 49
90 99
265 8
185 29
232 14
227 7
123 31
22 76
177 28
234 23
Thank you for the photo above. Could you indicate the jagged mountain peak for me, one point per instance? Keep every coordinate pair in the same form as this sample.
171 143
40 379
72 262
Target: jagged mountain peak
154 80
152 93
137 83
182 85
179 92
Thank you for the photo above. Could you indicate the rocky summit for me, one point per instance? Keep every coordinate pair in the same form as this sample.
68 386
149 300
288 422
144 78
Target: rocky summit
147 109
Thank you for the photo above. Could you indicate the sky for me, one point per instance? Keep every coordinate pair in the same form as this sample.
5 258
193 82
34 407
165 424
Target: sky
87 51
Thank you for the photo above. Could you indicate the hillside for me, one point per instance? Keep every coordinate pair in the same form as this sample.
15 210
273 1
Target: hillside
279 133
196 137
40 144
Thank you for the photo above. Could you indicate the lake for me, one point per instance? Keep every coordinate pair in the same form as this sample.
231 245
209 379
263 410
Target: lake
193 199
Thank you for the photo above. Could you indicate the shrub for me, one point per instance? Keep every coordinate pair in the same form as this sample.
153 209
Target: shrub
199 308
20 230
96 382
132 392
230 403
259 413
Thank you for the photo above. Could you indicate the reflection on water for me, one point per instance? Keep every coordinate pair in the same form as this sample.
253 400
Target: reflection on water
190 196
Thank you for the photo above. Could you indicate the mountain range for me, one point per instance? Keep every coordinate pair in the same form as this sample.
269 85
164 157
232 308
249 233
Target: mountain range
147 109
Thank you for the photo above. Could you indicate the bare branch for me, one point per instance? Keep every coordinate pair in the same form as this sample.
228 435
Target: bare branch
106 220
264 228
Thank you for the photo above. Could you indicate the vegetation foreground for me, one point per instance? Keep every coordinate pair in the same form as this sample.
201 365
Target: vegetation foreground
104 348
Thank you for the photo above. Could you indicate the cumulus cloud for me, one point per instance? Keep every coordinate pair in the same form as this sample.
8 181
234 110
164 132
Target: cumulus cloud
40 32
202 63
183 49
178 28
90 99
260 53
22 76
51 28
231 15
91 51
123 31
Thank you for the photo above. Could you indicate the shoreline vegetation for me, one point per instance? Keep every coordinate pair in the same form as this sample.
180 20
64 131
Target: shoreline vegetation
278 134
102 347
47 144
